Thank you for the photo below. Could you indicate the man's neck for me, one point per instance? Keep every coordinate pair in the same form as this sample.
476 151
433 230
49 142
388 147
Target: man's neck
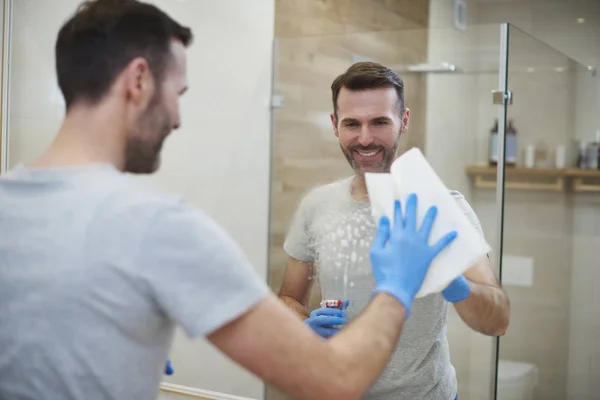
83 139
359 188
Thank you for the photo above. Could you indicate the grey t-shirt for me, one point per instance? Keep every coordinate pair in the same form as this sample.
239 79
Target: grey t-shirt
334 232
95 272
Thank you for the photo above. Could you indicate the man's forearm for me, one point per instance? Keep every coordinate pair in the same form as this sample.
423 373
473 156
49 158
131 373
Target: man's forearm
272 343
360 351
295 306
486 310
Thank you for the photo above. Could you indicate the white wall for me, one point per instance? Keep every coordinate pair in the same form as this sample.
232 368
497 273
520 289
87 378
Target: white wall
221 154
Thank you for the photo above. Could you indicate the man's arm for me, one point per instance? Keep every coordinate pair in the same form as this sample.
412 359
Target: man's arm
273 343
297 283
487 309
257 330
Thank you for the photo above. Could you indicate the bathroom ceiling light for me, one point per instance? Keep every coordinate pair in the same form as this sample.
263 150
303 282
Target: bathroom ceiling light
559 69
530 69
580 20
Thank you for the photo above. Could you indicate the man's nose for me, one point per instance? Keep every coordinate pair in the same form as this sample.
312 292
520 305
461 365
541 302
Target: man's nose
365 137
176 123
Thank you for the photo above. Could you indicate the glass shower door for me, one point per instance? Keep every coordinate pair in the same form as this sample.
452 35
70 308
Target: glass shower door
551 226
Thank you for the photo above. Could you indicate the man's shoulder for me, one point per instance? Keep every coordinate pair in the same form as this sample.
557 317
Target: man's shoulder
134 195
327 192
461 200
134 212
467 209
457 195
131 204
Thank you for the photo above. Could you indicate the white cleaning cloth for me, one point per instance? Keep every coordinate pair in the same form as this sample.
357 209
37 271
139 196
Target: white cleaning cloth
411 173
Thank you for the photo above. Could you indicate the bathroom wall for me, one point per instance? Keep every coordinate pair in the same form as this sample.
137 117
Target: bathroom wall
317 41
220 154
556 231
551 106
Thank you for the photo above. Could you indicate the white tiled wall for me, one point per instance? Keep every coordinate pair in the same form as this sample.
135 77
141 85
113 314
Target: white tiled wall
219 156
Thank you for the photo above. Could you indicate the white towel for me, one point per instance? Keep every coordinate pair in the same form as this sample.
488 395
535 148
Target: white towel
411 173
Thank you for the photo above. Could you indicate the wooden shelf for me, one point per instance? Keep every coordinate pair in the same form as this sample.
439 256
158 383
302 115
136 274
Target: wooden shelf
518 178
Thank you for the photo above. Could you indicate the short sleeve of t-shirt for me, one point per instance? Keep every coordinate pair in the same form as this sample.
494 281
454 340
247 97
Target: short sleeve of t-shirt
468 210
299 238
197 273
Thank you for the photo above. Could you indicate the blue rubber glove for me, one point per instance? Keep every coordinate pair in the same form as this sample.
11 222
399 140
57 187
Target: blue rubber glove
169 368
326 321
401 256
457 290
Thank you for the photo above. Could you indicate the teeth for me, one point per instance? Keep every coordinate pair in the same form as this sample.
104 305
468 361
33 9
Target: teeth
369 154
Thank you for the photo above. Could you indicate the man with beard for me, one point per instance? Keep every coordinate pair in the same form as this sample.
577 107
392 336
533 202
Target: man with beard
332 229
97 269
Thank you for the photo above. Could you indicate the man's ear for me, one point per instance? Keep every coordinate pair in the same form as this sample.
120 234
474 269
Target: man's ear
334 124
139 82
405 120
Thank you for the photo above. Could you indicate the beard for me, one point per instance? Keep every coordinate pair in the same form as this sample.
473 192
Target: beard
142 150
383 165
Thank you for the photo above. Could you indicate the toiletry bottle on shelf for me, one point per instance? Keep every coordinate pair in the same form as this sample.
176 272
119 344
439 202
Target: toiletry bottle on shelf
592 154
510 150
493 156
530 156
597 148
542 155
560 157
582 158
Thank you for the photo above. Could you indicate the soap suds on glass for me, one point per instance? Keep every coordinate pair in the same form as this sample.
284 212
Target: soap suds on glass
342 241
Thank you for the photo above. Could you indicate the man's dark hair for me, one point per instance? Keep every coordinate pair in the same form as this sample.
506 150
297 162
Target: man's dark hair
365 76
97 43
